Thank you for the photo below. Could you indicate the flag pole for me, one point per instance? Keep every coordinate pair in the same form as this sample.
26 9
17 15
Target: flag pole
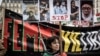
2 21
60 39
40 37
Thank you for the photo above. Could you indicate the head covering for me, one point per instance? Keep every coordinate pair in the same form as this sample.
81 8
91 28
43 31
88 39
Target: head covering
87 2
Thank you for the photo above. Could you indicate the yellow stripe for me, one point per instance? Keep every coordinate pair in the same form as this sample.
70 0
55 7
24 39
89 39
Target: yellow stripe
78 49
67 41
73 41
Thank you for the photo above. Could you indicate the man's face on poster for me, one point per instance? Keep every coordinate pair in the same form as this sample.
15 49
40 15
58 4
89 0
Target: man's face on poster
86 9
57 3
43 2
73 4
63 3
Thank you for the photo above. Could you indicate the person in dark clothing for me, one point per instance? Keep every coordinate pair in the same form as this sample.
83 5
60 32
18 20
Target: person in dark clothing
30 45
31 17
30 41
44 16
74 10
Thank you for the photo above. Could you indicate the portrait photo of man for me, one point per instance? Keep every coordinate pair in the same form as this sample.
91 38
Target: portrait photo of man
30 11
87 12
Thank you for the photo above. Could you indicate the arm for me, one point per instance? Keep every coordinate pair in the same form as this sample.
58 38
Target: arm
76 12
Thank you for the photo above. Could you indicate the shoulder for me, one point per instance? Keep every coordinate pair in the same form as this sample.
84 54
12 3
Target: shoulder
44 54
64 54
47 54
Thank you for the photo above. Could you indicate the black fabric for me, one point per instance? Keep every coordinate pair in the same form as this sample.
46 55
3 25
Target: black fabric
74 9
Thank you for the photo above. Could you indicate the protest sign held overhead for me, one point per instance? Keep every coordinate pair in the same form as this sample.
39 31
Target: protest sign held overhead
59 10
30 10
